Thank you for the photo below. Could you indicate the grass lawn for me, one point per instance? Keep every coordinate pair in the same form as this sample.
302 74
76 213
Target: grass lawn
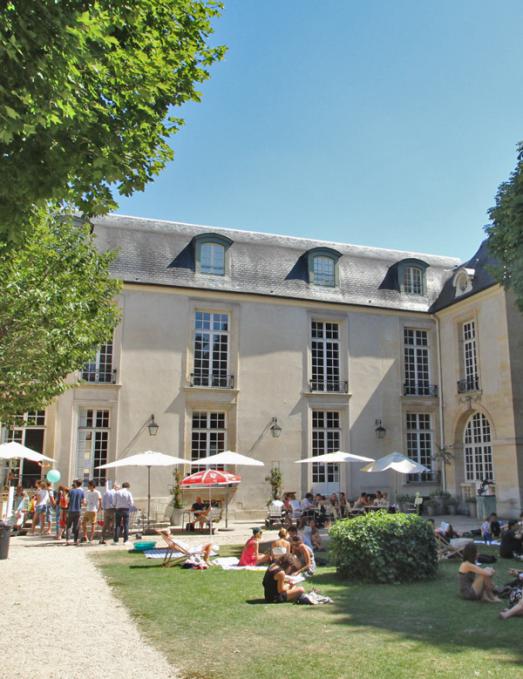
214 625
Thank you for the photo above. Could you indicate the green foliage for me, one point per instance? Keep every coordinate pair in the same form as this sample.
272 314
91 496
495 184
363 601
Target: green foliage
176 489
86 97
505 234
275 478
406 499
57 306
386 548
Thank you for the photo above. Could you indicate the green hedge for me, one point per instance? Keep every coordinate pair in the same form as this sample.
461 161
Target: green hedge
381 547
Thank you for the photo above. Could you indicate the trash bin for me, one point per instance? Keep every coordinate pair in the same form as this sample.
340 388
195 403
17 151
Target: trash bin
5 533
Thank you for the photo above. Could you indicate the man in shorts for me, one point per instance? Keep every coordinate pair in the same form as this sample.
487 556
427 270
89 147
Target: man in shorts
93 504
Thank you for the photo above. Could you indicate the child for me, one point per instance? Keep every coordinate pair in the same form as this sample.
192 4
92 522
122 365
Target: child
485 531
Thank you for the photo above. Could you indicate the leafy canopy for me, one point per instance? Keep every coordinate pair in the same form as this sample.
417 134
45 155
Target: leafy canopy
505 234
57 306
86 91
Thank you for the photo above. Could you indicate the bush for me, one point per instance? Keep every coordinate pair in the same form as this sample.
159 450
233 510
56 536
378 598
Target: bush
381 547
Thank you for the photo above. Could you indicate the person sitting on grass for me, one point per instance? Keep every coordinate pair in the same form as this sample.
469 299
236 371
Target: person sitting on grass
304 556
511 542
277 588
280 546
250 554
515 598
475 583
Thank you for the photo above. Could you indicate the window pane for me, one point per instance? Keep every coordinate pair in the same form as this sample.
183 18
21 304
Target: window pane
212 259
323 271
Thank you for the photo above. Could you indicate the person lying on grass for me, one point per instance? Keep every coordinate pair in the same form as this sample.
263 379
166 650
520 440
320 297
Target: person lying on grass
250 555
475 583
276 586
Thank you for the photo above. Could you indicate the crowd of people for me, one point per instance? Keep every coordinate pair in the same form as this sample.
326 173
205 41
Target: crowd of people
76 512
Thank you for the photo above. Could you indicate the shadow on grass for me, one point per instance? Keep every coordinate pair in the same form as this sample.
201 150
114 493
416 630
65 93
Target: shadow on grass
429 612
255 601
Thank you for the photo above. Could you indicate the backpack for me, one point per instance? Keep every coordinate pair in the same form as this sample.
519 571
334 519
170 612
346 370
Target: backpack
486 558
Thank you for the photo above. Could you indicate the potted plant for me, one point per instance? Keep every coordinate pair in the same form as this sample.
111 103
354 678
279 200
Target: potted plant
452 505
440 499
275 478
405 501
471 506
176 502
429 508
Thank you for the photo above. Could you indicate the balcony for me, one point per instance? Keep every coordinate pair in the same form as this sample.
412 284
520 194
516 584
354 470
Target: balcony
468 384
99 375
420 389
330 386
212 380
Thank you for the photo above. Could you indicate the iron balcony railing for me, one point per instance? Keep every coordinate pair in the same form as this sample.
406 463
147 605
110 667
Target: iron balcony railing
420 389
212 380
425 477
468 384
336 386
99 376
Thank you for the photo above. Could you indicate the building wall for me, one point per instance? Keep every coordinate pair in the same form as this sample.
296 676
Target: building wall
494 398
270 358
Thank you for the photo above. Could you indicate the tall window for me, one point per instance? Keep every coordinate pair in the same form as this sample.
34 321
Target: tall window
212 259
478 449
412 282
326 436
211 350
208 436
28 430
93 444
325 357
100 368
470 361
324 271
416 353
419 443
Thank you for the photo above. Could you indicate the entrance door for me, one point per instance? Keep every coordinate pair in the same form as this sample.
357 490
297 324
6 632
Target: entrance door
32 471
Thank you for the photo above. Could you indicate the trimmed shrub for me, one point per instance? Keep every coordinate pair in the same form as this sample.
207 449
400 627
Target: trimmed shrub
381 547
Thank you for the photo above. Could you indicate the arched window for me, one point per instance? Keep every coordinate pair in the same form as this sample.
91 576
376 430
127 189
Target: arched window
411 276
211 254
478 449
323 267
412 282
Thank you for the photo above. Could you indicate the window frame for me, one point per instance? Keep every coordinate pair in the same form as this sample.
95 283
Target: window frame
417 356
330 472
208 378
404 267
475 451
415 440
212 239
327 253
99 476
207 432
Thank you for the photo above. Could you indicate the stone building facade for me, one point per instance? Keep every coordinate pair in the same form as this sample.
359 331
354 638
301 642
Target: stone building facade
228 338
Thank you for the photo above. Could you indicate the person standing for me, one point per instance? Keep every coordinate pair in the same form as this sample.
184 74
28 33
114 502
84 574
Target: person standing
76 500
93 505
108 505
41 501
123 502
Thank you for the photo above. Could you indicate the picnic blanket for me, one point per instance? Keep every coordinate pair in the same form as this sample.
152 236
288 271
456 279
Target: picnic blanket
161 552
494 543
230 563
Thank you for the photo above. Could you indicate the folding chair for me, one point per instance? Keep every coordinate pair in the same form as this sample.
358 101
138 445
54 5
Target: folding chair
446 550
178 552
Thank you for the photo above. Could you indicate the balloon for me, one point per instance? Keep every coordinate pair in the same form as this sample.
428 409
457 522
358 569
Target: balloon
53 476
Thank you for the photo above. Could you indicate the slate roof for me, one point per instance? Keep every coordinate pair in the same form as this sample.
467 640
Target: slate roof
162 253
481 262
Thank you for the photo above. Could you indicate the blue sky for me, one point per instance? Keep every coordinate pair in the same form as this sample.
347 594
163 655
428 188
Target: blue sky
378 122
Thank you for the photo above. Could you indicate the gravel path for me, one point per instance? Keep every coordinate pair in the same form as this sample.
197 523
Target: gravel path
60 619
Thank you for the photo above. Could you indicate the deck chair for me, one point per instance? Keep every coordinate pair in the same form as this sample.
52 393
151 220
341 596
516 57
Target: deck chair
178 552
446 550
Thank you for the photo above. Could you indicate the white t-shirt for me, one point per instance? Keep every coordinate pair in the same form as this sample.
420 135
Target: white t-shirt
42 498
92 498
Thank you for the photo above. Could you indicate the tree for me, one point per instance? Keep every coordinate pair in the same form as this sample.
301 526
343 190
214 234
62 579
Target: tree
505 233
57 306
86 95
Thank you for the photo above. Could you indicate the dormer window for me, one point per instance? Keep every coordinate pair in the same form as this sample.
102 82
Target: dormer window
411 276
462 281
211 254
412 283
323 267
